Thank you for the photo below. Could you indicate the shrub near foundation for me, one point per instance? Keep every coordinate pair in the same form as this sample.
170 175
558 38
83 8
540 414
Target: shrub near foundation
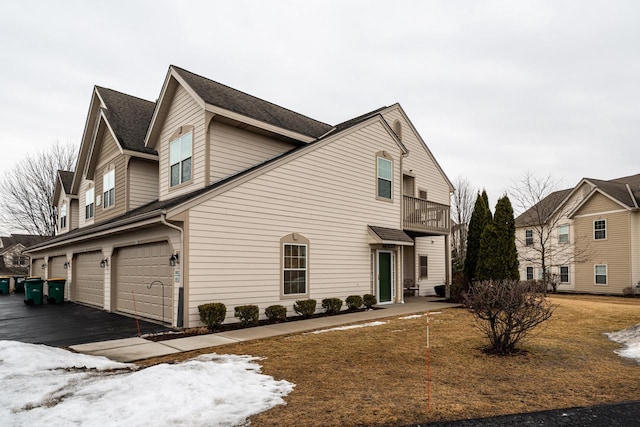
305 307
369 300
332 305
212 314
276 313
354 302
249 315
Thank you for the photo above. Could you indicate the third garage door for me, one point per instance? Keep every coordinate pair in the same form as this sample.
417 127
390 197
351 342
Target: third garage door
144 281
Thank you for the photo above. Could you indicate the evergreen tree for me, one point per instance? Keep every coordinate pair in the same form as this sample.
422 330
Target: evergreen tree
488 254
479 218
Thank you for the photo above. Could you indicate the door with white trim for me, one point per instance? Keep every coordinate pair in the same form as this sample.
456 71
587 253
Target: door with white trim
385 273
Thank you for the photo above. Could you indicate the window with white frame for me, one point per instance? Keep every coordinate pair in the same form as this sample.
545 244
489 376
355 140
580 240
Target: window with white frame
89 203
385 178
564 274
63 215
294 269
19 260
563 233
529 273
601 274
109 189
528 237
180 151
600 229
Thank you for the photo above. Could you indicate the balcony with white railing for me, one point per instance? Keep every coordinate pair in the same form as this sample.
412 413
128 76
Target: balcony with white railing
424 216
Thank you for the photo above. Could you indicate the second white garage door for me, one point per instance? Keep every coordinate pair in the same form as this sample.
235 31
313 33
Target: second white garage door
89 279
144 281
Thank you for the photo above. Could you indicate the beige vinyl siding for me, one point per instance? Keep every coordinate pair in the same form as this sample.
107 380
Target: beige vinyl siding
84 186
432 247
614 251
234 237
635 247
73 214
119 208
183 111
427 175
234 150
143 182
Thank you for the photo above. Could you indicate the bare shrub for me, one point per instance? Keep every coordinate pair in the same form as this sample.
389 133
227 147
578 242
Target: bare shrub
507 311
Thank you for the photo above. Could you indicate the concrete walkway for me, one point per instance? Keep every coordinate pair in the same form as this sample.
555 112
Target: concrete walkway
133 349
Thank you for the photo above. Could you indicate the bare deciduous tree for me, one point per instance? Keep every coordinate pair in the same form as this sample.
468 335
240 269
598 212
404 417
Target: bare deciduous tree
27 190
541 202
507 311
462 202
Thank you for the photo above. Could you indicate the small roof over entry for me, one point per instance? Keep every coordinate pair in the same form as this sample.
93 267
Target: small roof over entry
388 236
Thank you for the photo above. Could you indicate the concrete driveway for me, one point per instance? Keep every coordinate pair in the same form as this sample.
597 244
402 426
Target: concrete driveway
65 324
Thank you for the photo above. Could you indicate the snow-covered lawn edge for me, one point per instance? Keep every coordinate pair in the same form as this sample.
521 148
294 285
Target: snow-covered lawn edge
630 339
345 328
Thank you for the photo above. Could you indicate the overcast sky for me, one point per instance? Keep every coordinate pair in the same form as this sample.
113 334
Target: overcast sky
495 88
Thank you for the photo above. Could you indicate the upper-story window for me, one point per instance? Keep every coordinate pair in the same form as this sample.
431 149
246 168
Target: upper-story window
180 151
600 229
89 203
385 177
109 189
63 215
528 237
563 233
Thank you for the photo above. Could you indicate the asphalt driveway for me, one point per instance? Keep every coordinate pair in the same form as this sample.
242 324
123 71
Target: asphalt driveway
65 324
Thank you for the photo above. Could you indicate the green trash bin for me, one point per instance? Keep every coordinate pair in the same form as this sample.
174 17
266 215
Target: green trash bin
33 291
56 291
4 285
18 284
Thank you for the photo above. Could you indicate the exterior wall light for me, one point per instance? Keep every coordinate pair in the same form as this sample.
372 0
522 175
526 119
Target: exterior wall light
104 263
174 259
66 265
43 266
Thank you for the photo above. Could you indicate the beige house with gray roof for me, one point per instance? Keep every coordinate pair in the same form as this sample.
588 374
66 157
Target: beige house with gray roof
214 195
593 235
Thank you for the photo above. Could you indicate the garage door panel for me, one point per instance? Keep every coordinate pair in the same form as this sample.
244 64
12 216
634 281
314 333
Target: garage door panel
56 267
142 274
88 285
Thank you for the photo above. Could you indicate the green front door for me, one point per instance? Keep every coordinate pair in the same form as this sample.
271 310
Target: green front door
384 276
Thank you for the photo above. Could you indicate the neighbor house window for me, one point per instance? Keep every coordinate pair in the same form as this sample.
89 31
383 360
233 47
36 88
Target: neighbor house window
19 260
528 237
180 159
600 229
63 216
108 189
424 267
529 273
564 274
601 274
89 203
385 178
563 233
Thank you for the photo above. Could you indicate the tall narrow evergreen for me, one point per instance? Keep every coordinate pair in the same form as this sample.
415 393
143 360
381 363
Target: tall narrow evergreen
488 255
479 218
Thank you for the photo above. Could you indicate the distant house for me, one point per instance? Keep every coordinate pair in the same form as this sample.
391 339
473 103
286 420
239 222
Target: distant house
594 246
211 194
13 260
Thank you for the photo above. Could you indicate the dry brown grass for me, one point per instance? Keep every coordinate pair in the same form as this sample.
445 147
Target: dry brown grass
377 376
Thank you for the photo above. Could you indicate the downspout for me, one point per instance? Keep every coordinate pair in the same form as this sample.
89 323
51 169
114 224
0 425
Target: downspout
401 284
180 319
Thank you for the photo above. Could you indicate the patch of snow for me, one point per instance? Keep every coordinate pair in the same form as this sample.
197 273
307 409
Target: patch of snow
416 316
49 386
630 339
344 328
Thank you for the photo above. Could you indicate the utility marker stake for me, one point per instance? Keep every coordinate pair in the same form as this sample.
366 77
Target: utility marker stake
135 309
428 367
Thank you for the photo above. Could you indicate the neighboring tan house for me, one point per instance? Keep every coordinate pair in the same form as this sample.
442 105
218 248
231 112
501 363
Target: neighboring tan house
13 261
593 232
213 195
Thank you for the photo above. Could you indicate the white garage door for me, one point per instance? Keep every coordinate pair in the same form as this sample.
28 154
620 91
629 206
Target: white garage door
144 282
56 267
88 286
36 267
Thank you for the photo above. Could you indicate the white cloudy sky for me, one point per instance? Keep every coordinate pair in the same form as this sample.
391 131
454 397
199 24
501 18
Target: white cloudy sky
494 87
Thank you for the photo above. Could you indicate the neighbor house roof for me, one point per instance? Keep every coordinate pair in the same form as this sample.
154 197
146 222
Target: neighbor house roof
540 212
25 240
390 236
217 94
129 118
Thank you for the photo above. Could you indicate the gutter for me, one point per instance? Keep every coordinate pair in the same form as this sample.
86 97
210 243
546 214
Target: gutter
180 319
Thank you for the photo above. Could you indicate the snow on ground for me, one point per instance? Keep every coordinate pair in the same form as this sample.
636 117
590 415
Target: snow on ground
344 328
43 385
417 316
630 339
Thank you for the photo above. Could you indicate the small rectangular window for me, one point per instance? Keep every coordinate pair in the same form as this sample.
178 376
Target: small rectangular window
563 233
295 269
564 274
528 237
89 203
108 189
600 229
422 194
601 274
385 178
63 216
529 273
180 151
424 267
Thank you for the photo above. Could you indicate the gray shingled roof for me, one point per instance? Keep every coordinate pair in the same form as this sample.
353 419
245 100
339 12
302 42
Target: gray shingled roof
129 118
217 94
391 234
541 211
66 177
